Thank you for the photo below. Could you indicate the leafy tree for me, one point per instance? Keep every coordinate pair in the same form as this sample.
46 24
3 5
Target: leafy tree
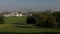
57 16
31 20
1 19
46 19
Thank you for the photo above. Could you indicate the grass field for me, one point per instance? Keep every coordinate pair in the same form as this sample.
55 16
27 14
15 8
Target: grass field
15 19
10 28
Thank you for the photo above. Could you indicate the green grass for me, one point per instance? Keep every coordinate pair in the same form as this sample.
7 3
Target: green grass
15 19
11 28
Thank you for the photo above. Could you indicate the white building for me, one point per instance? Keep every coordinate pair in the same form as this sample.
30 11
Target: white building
13 13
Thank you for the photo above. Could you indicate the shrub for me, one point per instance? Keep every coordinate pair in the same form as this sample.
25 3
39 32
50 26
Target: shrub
31 20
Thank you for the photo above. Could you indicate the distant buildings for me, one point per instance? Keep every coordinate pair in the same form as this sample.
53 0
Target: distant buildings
12 13
18 13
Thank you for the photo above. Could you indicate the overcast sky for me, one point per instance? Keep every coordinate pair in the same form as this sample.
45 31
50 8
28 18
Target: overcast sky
42 4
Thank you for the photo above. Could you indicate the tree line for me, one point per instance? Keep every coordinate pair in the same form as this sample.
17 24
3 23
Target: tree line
47 19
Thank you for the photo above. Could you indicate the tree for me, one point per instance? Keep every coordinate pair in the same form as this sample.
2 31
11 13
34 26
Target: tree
57 16
1 19
31 20
46 19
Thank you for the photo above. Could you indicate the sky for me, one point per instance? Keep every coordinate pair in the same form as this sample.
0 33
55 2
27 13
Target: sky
34 4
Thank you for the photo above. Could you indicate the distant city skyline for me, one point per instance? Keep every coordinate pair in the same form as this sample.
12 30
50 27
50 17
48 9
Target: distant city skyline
28 4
